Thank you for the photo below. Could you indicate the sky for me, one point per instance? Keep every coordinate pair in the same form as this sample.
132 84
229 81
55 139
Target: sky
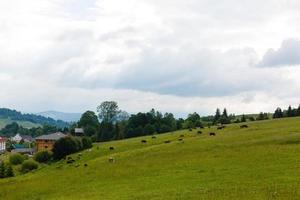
173 55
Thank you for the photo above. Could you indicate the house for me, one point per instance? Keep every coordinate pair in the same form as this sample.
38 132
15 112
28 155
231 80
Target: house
79 132
2 144
27 138
46 142
18 138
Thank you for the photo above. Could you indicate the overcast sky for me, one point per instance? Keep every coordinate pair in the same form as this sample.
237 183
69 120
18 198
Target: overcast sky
173 55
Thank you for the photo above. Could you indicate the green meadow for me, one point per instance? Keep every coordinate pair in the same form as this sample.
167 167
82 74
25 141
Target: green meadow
25 124
259 162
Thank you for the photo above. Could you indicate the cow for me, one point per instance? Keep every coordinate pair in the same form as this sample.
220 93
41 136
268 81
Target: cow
167 141
212 134
244 126
144 141
111 148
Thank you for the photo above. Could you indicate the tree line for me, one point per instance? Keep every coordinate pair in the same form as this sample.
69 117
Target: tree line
290 112
112 123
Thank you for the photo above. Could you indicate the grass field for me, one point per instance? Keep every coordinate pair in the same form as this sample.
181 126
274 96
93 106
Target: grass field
260 162
25 124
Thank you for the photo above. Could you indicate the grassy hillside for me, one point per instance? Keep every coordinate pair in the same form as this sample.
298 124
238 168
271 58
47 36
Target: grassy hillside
261 162
25 124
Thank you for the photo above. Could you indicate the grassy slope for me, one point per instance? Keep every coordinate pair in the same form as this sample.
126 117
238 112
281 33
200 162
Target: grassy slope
261 162
25 124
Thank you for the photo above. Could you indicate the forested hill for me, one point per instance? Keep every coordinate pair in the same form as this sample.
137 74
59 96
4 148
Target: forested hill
6 113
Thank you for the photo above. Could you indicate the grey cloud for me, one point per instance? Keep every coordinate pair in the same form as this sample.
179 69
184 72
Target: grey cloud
191 72
287 55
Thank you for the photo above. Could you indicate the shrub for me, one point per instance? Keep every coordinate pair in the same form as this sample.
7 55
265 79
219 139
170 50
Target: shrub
43 156
9 172
29 165
2 169
64 147
86 143
16 159
78 142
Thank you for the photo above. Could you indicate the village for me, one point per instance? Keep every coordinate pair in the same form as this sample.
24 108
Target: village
27 145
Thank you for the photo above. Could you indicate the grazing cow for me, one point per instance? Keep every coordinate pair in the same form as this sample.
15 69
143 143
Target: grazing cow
69 161
153 137
85 165
167 141
180 140
144 141
220 127
199 132
111 160
212 134
111 148
181 136
202 127
244 126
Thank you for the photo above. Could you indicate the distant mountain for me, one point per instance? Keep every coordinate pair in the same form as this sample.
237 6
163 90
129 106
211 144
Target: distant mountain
9 115
67 117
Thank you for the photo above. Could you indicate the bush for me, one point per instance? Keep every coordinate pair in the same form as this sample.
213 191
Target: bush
86 143
64 147
9 172
16 159
29 165
43 156
2 169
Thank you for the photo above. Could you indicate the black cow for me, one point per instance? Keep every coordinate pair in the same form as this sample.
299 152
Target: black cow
244 126
212 134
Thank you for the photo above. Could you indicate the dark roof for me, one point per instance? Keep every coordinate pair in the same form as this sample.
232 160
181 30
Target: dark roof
18 146
27 137
53 136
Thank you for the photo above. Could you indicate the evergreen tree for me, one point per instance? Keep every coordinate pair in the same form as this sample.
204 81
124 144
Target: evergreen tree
224 118
289 112
261 116
278 113
298 111
243 119
217 116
